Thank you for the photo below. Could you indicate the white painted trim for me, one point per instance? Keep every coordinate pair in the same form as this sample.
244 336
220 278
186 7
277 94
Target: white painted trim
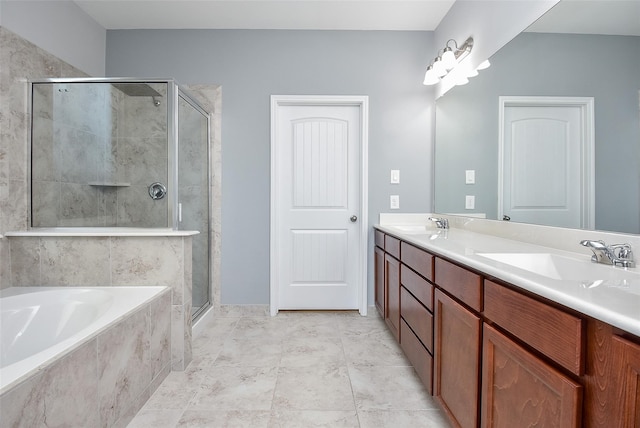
323 100
586 105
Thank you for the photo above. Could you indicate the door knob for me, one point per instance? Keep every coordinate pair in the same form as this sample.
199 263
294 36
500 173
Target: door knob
353 218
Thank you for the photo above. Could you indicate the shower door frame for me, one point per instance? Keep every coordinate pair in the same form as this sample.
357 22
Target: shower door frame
174 92
177 92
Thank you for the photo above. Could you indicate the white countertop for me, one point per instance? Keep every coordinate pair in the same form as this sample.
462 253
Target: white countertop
612 297
101 231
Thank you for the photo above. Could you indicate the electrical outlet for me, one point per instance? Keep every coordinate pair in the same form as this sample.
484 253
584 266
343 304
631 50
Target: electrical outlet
469 202
395 176
394 202
470 176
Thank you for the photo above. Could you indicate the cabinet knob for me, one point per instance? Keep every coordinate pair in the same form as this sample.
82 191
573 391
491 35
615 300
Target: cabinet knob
353 218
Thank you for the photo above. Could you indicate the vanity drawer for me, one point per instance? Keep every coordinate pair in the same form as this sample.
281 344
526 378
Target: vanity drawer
551 331
459 282
418 355
392 246
418 317
379 238
417 285
418 260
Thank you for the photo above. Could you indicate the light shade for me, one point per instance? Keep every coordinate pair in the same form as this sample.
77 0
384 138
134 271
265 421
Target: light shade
439 68
484 65
430 77
448 58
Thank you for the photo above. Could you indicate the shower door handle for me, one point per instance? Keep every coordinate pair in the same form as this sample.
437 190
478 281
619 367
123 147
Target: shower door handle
157 190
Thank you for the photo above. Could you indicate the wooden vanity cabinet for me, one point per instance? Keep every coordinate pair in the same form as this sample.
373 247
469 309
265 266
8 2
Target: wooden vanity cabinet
521 390
494 355
416 310
392 284
379 295
457 343
612 378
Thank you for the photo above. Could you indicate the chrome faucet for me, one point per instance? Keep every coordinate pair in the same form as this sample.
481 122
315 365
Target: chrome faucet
619 255
441 223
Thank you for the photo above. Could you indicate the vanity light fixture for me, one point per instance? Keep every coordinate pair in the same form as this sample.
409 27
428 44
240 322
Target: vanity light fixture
447 62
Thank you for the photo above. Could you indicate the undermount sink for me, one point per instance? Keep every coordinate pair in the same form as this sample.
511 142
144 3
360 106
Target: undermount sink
412 228
561 268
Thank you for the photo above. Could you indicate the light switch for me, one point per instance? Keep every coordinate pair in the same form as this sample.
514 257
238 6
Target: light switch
469 202
470 176
394 202
395 176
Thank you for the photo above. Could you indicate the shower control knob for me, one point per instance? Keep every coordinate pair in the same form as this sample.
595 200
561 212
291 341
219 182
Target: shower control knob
353 218
157 190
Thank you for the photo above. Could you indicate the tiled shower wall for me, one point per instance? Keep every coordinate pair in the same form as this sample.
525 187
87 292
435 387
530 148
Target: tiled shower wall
20 60
95 152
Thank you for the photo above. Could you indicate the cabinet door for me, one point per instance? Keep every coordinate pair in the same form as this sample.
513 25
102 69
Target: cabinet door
520 390
392 284
456 360
628 355
379 279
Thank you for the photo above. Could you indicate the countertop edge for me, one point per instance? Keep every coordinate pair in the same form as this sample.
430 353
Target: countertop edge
515 277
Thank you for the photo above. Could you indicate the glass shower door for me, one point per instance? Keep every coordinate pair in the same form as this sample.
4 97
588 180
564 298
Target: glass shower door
193 193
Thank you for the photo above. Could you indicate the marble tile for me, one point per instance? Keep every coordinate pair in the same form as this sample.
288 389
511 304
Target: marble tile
250 353
175 393
261 327
388 388
25 261
136 209
51 397
141 160
160 334
365 328
79 205
237 310
23 406
156 418
138 116
71 396
403 418
64 261
225 418
78 153
312 352
177 338
123 365
373 352
313 326
236 388
314 418
320 388
134 264
5 264
46 199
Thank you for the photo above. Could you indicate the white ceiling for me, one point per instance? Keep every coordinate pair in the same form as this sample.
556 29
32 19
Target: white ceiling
268 14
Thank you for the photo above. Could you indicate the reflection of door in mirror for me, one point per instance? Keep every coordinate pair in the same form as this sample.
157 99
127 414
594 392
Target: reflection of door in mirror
546 161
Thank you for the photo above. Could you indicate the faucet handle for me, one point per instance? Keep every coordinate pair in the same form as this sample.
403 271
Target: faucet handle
623 251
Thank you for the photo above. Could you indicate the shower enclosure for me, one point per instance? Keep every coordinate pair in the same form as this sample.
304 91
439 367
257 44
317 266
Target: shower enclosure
122 153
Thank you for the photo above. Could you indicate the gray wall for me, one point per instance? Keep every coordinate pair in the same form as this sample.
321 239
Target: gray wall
604 67
59 27
251 66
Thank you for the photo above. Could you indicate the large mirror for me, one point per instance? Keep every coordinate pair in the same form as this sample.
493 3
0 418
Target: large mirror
587 51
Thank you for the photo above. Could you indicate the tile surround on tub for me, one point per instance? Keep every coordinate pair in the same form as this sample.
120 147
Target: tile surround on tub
104 382
113 260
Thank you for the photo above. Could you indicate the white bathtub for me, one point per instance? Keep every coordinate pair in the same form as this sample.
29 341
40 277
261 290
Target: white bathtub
39 325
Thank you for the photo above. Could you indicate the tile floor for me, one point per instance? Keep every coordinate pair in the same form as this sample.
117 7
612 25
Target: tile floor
298 369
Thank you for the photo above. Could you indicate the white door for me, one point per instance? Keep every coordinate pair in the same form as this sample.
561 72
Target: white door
546 161
317 218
